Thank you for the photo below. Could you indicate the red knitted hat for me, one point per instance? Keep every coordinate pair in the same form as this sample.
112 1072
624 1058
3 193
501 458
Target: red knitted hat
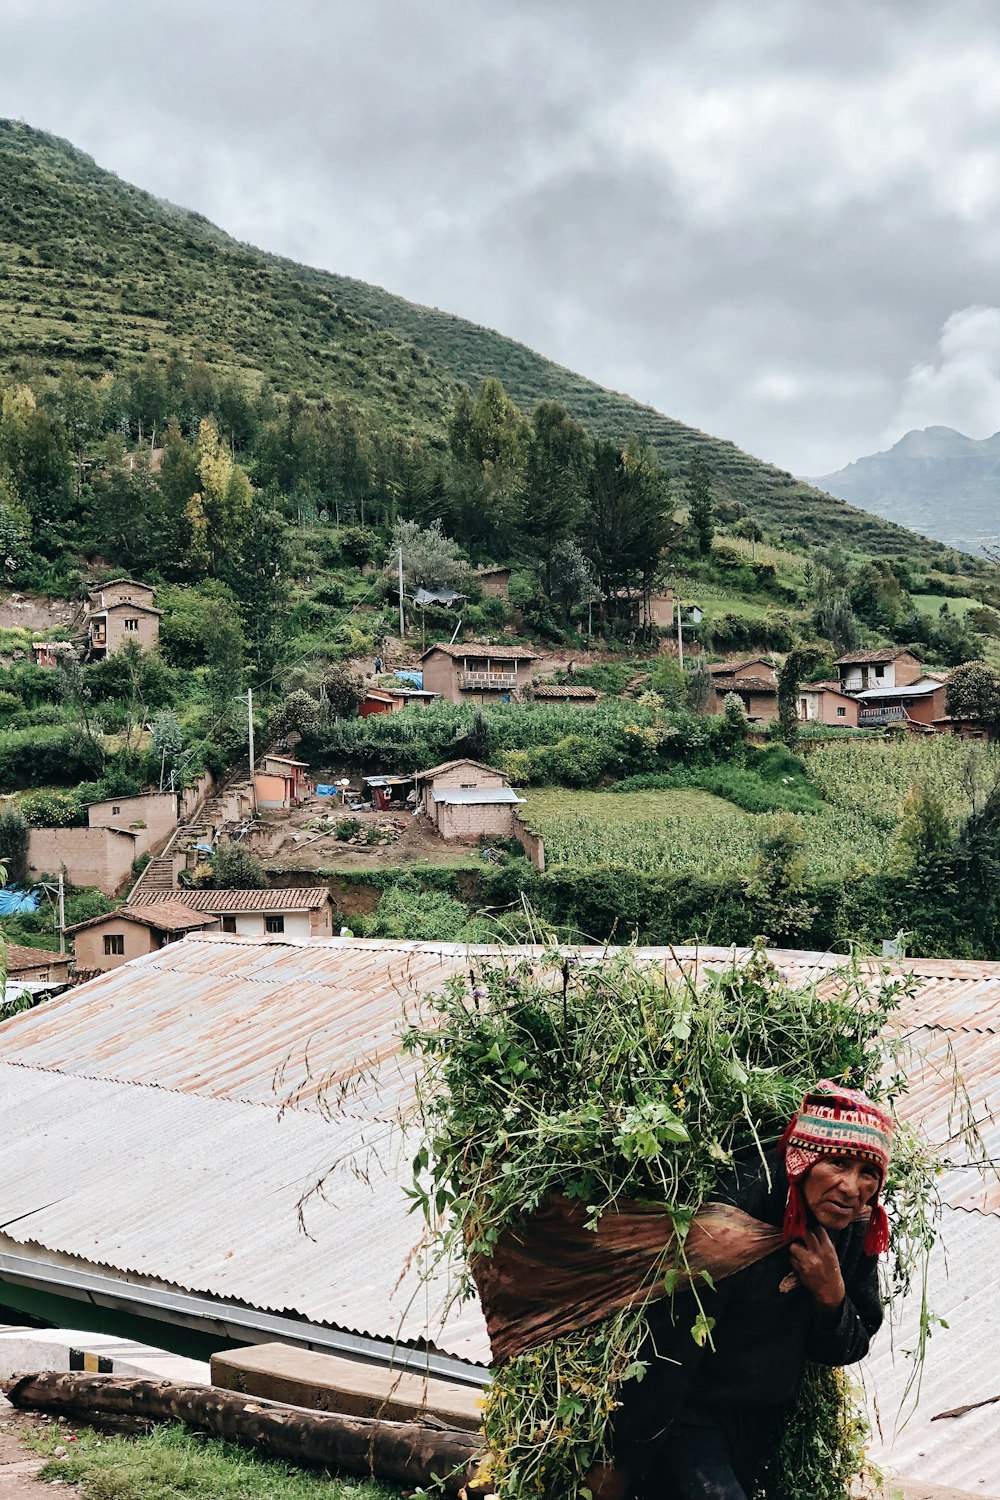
836 1121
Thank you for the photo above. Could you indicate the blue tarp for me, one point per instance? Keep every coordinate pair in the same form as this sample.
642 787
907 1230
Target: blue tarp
12 902
326 791
416 679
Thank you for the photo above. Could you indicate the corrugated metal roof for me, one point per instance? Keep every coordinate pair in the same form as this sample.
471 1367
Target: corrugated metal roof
459 796
220 1032
295 898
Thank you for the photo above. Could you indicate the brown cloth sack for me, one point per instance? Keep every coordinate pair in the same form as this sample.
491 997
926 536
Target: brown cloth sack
554 1276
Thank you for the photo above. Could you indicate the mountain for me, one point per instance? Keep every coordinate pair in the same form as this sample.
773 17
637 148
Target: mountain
936 481
95 273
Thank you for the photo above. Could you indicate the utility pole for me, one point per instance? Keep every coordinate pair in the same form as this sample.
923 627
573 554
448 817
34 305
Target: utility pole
680 635
62 914
253 784
402 622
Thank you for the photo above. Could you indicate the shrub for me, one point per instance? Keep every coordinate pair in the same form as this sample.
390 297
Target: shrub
52 810
346 828
236 868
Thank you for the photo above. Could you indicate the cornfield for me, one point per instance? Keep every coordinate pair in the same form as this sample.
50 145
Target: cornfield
863 786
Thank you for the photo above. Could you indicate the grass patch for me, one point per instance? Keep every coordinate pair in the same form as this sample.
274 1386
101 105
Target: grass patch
172 1462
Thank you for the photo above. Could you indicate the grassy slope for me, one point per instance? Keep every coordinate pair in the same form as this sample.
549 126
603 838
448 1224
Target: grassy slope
93 271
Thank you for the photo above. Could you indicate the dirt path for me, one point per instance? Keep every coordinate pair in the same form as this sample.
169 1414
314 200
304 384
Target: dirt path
18 1465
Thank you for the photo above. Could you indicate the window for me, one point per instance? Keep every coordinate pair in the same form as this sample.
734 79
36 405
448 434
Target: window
879 673
841 713
115 810
229 924
131 622
274 924
114 945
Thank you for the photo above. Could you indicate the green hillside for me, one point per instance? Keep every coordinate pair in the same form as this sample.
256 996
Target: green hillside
95 273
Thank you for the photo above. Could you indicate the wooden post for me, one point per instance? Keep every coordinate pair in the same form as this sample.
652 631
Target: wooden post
406 1453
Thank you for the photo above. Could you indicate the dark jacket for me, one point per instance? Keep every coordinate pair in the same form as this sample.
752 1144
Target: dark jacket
762 1337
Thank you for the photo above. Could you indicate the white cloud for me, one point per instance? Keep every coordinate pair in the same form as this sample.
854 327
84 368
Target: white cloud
960 388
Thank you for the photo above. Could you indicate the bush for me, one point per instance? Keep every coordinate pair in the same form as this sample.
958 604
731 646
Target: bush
236 868
346 828
52 810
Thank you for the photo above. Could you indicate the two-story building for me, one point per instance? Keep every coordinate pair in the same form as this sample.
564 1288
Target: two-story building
470 673
117 612
883 667
753 680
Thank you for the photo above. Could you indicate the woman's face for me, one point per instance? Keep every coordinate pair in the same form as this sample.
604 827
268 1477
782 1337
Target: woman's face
837 1189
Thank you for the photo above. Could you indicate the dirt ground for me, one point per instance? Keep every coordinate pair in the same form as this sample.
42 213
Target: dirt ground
303 840
29 612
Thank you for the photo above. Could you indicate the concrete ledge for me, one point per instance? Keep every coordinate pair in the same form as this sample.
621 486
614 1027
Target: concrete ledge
325 1382
99 1353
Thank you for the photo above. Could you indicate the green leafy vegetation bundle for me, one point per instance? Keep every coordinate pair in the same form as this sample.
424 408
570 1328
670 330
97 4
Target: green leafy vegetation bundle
610 1077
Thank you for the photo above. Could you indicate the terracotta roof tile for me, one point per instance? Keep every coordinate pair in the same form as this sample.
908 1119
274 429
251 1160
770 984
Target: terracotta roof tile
298 898
477 649
882 653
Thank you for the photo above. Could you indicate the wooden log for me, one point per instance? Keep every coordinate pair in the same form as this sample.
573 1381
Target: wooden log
407 1453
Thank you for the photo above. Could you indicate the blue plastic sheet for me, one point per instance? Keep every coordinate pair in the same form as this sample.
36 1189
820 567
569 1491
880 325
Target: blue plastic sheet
13 901
326 791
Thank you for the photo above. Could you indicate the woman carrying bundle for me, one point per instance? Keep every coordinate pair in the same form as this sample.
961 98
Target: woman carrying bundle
703 1421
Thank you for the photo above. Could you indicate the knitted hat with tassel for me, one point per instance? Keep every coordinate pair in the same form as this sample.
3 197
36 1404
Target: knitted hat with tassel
836 1121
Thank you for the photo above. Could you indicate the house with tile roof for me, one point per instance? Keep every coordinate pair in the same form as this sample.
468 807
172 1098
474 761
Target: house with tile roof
299 912
118 612
881 667
754 681
130 931
471 673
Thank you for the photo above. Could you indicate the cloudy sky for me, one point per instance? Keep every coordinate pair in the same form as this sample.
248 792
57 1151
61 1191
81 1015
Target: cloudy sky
778 221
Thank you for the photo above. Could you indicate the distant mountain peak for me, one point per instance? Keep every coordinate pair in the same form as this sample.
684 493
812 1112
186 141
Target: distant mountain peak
933 479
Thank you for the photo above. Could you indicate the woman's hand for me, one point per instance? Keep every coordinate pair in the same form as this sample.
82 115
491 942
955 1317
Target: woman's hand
818 1269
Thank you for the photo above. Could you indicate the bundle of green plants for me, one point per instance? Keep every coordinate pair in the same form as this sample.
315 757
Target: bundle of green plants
615 1078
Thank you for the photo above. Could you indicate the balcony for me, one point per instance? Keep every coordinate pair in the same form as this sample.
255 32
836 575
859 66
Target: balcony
872 718
487 682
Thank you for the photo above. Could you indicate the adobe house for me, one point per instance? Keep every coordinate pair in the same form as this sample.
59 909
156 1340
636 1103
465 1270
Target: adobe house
37 964
467 800
753 680
301 912
118 612
470 673
647 609
281 782
885 667
824 703
105 942
495 582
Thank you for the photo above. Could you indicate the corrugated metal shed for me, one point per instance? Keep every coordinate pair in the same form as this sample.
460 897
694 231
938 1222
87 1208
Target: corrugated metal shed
165 1119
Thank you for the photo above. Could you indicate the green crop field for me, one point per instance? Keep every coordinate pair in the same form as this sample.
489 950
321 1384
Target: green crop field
863 784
